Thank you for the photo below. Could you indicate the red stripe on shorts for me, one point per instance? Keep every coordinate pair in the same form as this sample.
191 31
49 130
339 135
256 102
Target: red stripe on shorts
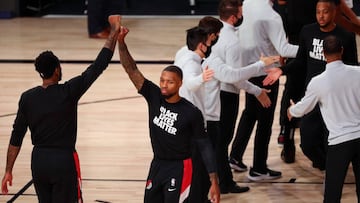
77 166
186 181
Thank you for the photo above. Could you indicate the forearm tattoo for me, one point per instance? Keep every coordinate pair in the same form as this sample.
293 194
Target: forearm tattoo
130 66
111 40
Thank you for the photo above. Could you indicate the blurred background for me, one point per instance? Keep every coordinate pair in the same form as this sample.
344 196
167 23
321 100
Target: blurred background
13 8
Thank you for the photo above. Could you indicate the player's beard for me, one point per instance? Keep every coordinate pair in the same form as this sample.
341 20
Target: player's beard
60 75
168 96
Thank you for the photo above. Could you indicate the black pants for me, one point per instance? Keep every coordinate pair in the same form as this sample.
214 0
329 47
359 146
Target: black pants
228 115
54 175
294 89
314 134
221 151
264 117
338 159
166 179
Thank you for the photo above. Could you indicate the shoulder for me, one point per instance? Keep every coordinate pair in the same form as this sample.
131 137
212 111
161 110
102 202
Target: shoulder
344 34
355 69
188 60
31 91
310 27
190 107
316 82
227 37
181 52
147 87
30 94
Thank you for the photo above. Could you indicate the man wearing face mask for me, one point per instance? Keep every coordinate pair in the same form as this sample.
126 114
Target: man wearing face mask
196 79
225 54
211 26
261 32
190 63
192 89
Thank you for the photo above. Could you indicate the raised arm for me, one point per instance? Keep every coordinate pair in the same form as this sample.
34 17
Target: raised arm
346 18
115 22
128 62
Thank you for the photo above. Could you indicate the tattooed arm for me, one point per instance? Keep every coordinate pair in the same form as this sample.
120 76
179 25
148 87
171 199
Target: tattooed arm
128 62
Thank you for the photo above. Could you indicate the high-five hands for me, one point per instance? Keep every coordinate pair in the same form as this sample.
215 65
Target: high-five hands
269 60
273 74
115 21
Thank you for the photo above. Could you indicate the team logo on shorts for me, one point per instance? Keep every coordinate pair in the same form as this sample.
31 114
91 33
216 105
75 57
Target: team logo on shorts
172 185
148 184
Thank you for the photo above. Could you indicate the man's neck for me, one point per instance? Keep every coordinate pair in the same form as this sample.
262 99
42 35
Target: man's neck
48 82
173 99
328 28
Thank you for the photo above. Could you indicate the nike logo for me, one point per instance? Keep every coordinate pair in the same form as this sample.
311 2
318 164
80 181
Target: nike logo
171 189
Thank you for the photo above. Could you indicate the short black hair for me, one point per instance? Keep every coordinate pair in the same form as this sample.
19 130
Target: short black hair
332 45
46 63
228 8
174 69
210 24
333 2
194 36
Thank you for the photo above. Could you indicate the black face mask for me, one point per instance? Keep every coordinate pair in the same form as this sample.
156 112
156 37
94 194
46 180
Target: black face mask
214 41
208 51
238 22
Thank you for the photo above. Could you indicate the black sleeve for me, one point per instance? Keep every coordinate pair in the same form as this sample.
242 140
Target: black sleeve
203 142
207 153
79 85
350 56
300 59
20 125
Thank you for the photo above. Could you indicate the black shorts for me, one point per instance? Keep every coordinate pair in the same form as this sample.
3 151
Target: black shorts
56 175
168 181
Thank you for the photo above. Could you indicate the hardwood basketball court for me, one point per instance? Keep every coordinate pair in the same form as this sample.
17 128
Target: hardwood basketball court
113 142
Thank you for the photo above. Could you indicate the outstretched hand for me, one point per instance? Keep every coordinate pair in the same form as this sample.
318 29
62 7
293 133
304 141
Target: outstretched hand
115 22
123 32
268 60
273 75
264 99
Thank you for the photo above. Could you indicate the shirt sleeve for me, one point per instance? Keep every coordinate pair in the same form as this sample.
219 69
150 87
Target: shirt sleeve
277 36
149 91
307 103
20 125
192 80
249 87
350 51
203 143
227 74
300 60
78 85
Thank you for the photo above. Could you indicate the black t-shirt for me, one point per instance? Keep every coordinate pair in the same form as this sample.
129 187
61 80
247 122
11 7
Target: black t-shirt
173 126
310 54
51 113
